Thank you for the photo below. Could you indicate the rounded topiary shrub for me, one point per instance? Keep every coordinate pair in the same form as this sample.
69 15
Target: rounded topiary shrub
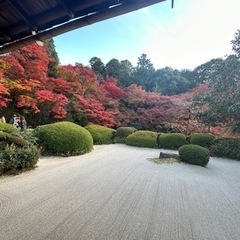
142 139
226 147
202 139
63 139
122 132
101 134
194 154
8 128
171 140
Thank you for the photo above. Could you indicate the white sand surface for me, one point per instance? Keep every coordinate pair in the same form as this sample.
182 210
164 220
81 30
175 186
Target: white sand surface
115 193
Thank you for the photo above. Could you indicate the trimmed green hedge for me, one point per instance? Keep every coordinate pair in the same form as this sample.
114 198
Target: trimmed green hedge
101 134
121 134
63 139
226 147
202 139
194 154
171 140
142 139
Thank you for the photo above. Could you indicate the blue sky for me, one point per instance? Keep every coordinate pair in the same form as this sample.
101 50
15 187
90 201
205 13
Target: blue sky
192 33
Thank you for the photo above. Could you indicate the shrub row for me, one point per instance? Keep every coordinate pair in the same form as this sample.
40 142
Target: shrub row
105 135
67 139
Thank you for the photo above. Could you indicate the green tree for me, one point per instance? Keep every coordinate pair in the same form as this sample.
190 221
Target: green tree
208 70
125 78
223 99
113 68
53 56
191 78
170 82
98 68
144 73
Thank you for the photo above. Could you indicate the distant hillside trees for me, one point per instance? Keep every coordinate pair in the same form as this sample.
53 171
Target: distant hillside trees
77 94
166 81
170 82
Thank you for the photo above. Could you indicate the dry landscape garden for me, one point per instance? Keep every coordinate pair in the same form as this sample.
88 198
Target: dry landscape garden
70 108
117 151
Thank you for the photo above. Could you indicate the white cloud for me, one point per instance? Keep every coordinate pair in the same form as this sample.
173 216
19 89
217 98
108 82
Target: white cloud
203 32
